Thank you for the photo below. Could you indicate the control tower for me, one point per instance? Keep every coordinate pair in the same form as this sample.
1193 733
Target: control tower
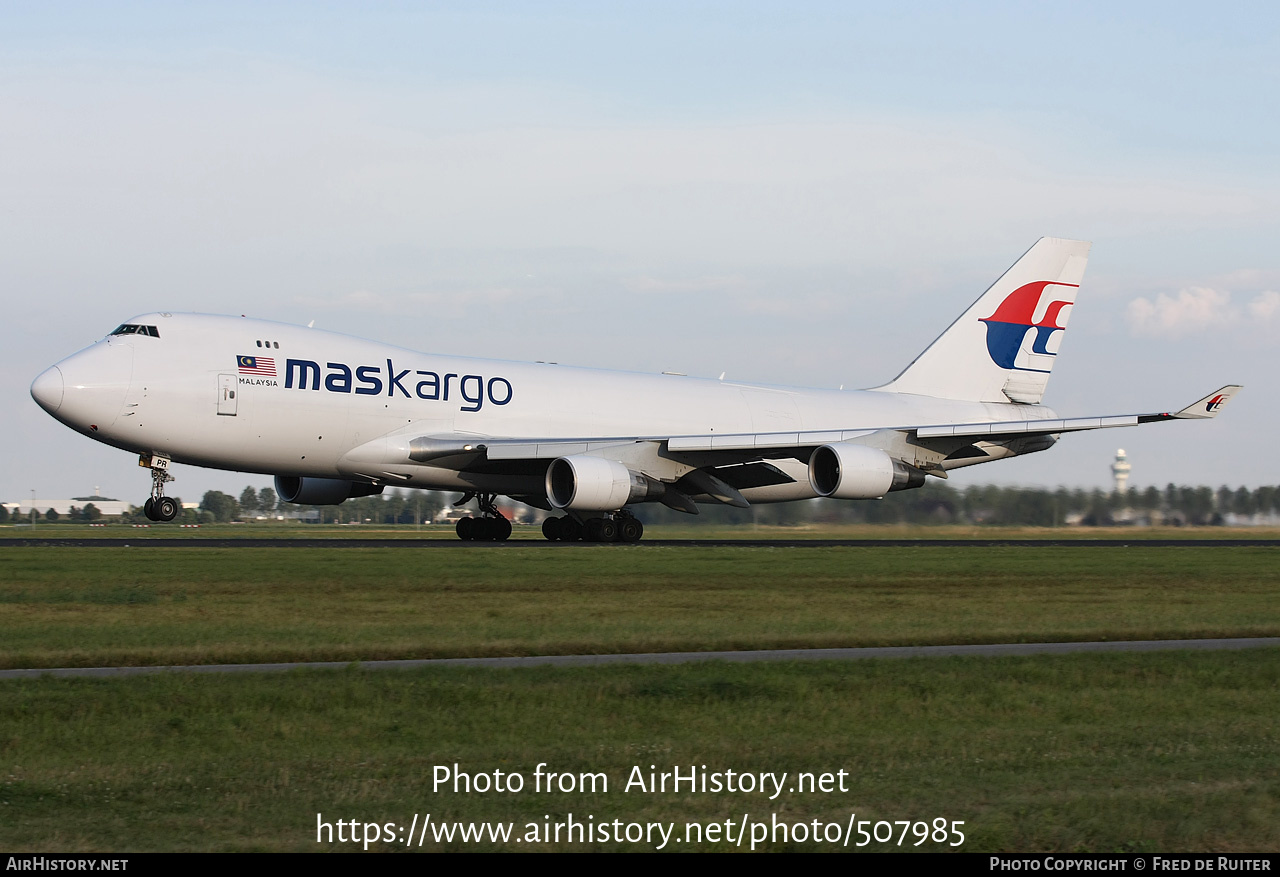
1120 471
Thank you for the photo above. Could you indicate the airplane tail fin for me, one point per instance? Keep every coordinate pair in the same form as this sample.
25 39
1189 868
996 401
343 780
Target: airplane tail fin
1004 346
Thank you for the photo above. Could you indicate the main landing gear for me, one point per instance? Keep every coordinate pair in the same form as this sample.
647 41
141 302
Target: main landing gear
159 507
622 527
492 527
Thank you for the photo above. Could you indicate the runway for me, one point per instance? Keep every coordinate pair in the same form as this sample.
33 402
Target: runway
990 651
200 542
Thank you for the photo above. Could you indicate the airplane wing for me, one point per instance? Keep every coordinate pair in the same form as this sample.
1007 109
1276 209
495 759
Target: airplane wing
446 451
720 466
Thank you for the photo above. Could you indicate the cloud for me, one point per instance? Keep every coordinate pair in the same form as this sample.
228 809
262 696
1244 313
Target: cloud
1265 306
447 303
1197 309
683 285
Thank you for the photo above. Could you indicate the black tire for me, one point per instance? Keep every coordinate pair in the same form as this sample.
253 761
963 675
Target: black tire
466 528
166 508
608 530
149 509
551 529
571 530
591 530
630 530
501 529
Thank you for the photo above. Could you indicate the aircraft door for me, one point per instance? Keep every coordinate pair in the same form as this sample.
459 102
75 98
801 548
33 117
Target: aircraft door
227 395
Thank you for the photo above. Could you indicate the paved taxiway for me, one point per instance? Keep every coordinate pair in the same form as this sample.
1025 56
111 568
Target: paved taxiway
993 650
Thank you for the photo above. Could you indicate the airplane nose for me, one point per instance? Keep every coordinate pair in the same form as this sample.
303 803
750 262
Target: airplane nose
87 390
47 389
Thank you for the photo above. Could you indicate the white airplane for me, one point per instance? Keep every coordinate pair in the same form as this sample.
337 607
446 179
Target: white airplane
334 417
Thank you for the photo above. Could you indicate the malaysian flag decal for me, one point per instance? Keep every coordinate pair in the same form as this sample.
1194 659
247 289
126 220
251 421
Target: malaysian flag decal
263 366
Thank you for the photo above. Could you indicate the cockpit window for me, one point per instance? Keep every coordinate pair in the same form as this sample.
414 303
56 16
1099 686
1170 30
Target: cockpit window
134 329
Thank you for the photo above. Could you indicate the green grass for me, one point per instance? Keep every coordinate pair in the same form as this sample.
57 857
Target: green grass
95 607
1107 752
1092 752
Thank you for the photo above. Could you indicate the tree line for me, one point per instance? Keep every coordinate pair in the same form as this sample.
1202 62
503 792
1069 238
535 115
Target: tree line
89 513
936 503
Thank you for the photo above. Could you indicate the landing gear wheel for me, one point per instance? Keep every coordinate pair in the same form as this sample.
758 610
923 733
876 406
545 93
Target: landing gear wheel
487 529
159 507
551 529
630 530
166 508
601 530
570 529
501 529
608 530
493 527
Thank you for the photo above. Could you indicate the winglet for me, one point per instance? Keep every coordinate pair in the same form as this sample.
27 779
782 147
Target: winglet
1210 405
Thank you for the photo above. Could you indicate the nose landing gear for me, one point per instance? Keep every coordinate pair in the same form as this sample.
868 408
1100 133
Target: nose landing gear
159 507
492 527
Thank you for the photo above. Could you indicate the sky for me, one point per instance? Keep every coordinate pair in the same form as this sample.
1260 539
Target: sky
802 194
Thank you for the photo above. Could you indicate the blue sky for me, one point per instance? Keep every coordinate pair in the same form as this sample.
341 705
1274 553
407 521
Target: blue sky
793 193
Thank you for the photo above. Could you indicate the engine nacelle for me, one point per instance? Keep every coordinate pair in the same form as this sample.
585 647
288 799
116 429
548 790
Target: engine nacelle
848 471
322 491
594 484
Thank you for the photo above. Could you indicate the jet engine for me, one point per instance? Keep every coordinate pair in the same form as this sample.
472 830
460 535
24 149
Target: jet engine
322 491
848 471
594 484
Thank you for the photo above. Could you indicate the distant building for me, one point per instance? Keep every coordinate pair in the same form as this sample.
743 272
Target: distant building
63 506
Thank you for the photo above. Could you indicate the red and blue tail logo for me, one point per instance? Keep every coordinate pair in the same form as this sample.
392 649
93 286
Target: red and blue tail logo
1007 327
1215 403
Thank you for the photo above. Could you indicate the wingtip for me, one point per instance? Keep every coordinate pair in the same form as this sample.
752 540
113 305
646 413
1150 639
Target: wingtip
1211 405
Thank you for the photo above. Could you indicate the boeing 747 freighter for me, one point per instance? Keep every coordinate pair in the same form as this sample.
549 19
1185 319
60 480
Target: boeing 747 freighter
334 417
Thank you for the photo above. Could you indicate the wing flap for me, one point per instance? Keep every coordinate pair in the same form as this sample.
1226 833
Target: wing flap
1026 427
500 449
762 441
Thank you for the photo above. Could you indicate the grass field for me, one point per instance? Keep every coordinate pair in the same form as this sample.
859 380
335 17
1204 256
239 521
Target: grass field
1172 752
96 607
1152 752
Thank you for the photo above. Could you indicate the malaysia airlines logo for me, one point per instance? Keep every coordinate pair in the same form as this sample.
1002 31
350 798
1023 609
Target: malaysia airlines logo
1007 327
262 366
1215 403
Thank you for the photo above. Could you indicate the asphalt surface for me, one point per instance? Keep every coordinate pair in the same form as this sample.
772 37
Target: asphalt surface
995 650
201 542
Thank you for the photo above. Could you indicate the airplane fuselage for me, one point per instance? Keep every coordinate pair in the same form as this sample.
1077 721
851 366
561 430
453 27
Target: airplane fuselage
308 398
